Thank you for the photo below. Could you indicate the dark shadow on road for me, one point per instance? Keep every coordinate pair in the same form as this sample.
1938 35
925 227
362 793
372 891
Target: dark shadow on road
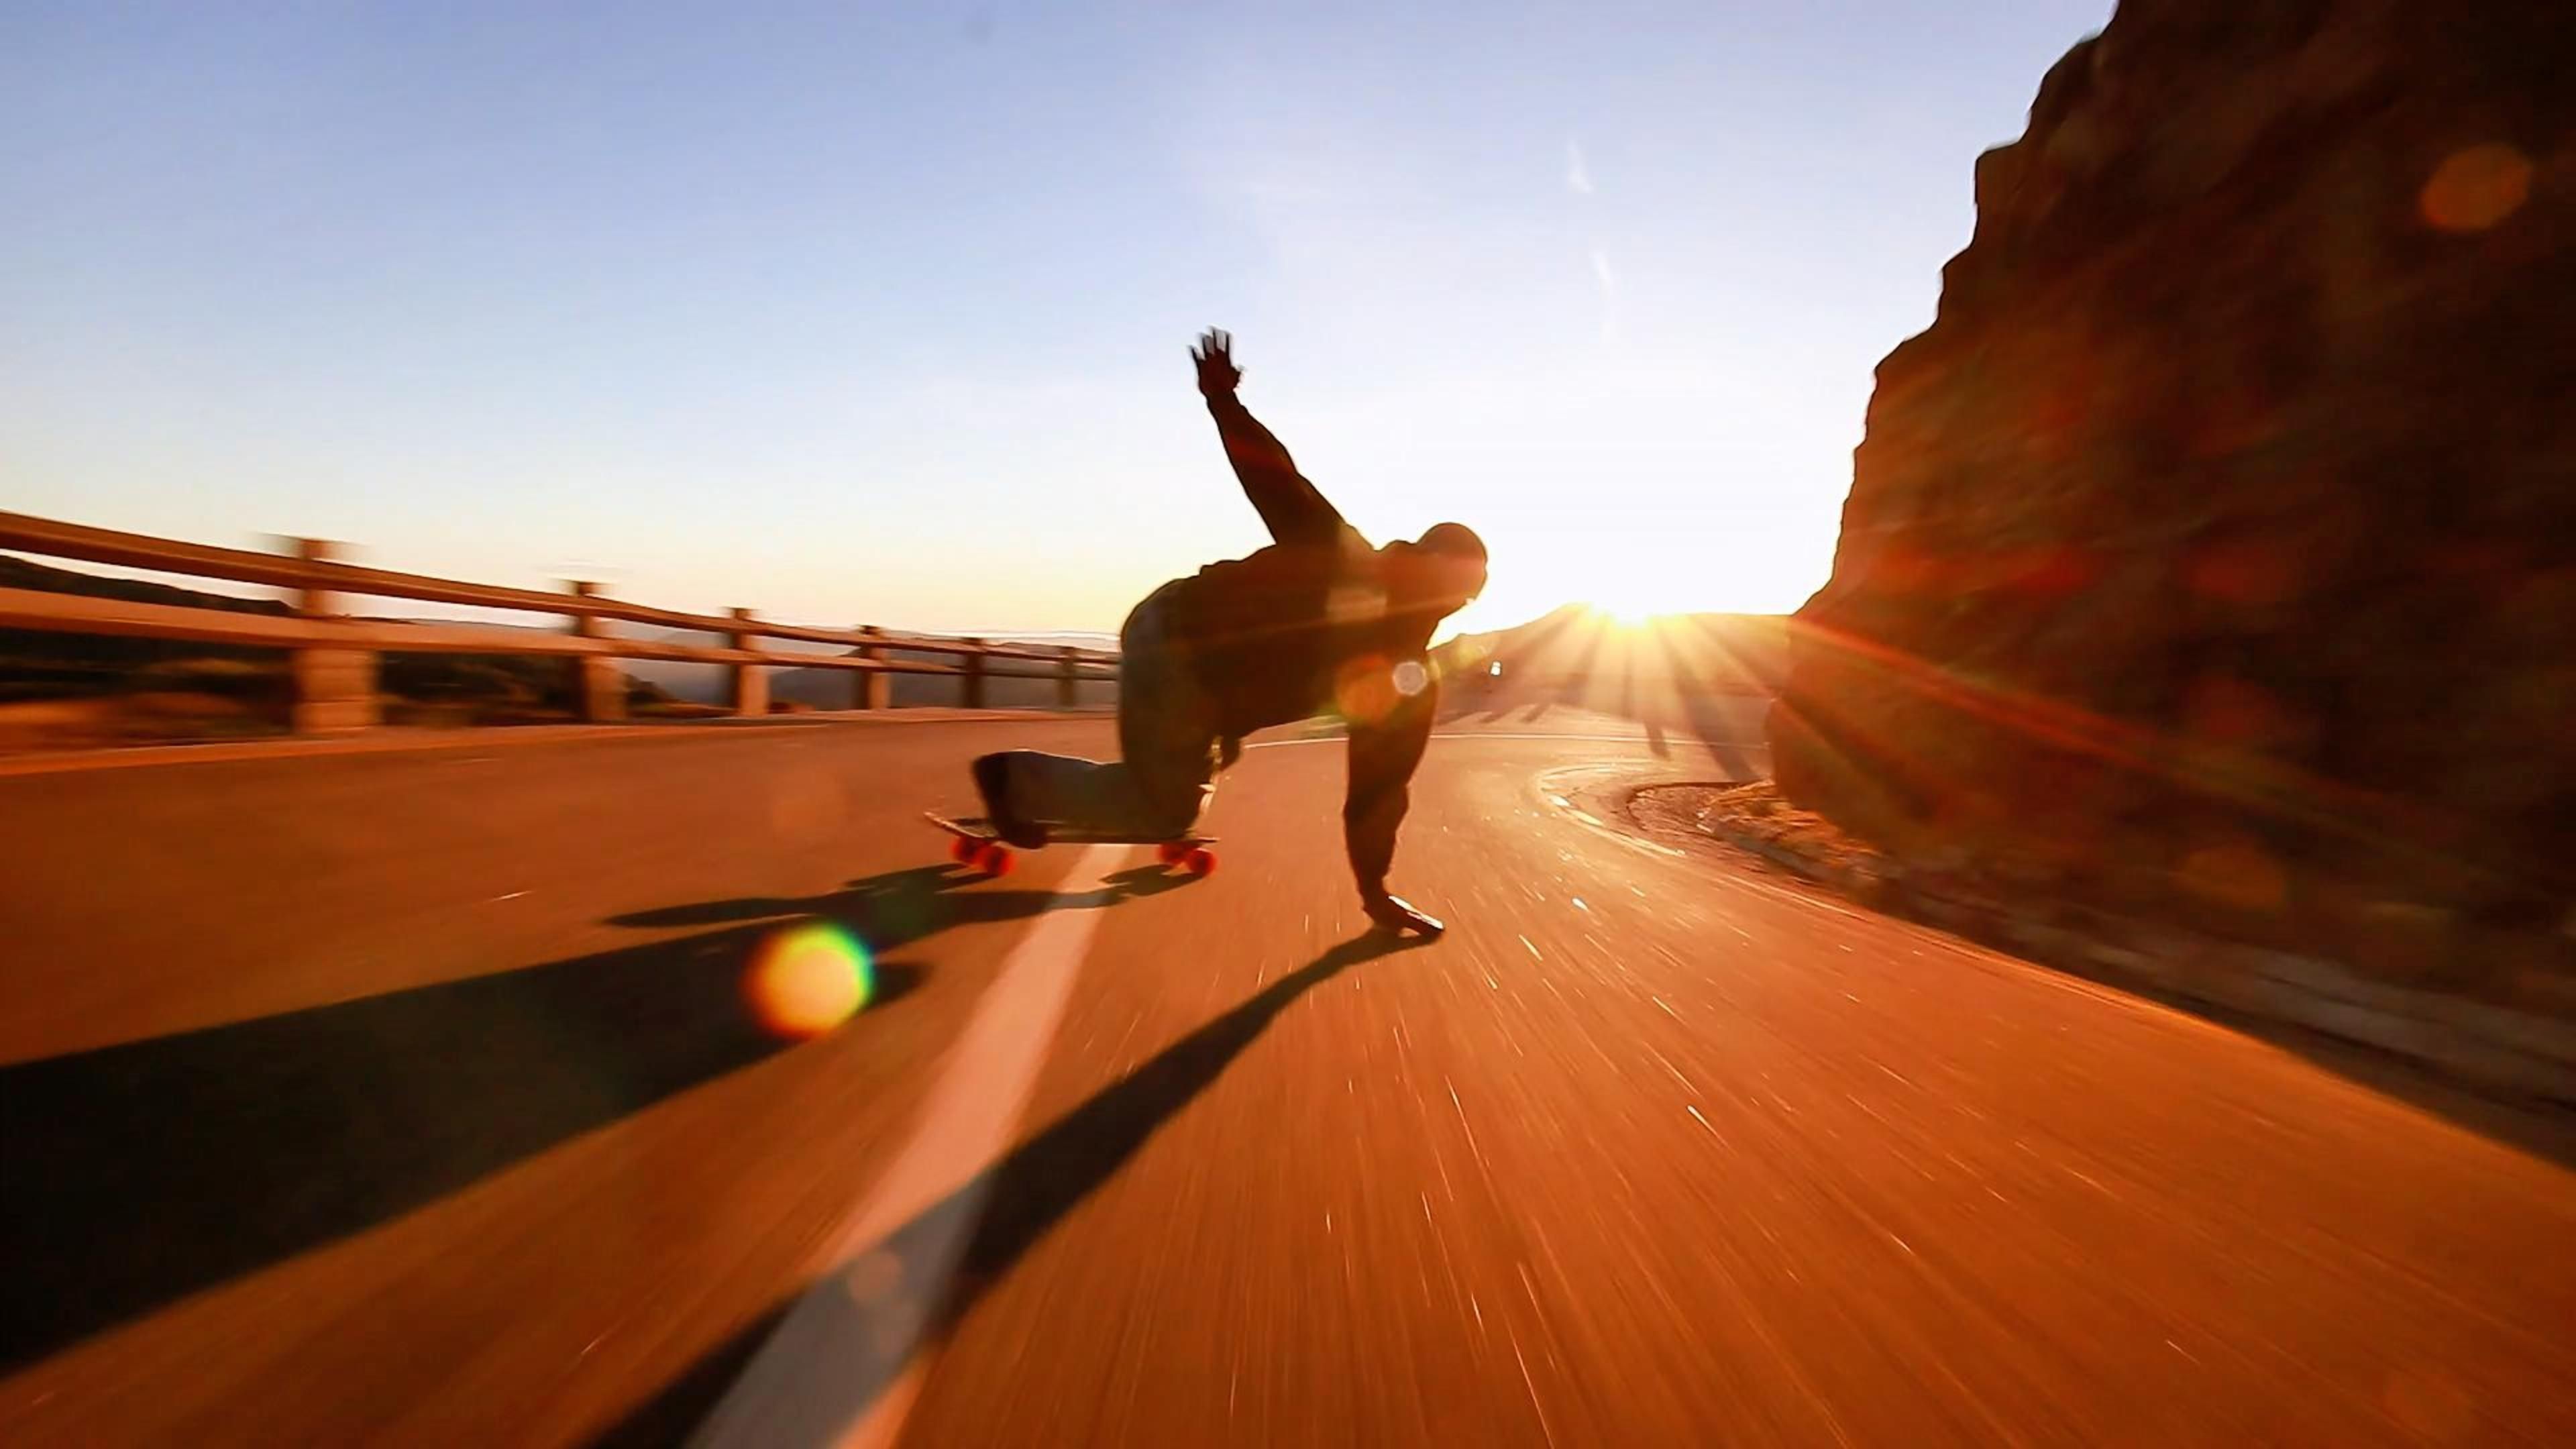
145 1171
893 910
135 1174
138 1173
818 1362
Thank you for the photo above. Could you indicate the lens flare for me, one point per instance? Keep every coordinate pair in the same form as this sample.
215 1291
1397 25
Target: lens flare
2474 189
808 978
1364 690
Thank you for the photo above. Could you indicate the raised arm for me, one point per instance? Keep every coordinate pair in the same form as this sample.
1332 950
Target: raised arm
1291 507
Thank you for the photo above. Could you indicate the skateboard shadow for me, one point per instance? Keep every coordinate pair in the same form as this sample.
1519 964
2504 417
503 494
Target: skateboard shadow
958 1248
896 909
139 1173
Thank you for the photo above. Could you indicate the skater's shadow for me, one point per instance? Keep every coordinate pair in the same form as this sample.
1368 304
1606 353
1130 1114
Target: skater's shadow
897 908
138 1173
817 1363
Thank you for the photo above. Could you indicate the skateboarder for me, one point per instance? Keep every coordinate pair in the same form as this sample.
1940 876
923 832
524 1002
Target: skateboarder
1318 622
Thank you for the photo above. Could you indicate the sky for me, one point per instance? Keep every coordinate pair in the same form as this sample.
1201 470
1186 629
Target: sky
880 312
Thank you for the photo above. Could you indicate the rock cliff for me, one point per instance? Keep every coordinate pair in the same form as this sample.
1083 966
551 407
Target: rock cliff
2215 548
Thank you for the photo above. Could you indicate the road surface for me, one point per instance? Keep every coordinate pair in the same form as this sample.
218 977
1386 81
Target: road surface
409 1097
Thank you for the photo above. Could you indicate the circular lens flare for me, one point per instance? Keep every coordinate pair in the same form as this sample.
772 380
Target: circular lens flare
2474 189
1365 690
808 978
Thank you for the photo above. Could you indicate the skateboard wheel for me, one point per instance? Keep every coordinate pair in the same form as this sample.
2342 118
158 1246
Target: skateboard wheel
1170 851
964 851
1198 860
992 859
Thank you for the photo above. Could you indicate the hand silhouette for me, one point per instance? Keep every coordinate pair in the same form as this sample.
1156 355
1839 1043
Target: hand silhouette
1215 359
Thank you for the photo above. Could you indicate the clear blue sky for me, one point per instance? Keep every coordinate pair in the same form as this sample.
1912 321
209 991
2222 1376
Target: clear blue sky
878 312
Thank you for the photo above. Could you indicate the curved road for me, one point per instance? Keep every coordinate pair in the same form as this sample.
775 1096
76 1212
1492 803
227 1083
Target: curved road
408 1096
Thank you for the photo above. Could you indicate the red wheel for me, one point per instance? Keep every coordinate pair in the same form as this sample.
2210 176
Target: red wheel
1198 860
963 850
992 859
1170 851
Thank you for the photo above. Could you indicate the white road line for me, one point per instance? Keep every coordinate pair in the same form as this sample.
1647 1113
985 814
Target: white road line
844 1365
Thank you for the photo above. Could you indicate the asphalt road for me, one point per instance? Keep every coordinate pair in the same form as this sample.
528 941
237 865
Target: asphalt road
411 1097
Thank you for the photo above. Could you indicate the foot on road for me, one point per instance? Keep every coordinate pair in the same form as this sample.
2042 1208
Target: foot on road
1392 913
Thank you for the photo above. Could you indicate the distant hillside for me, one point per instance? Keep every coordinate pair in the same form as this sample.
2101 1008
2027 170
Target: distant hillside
1704 678
1689 653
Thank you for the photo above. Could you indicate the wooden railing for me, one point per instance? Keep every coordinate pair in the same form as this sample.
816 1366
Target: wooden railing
334 654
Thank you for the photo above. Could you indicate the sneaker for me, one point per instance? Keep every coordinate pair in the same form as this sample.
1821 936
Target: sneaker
1395 915
992 779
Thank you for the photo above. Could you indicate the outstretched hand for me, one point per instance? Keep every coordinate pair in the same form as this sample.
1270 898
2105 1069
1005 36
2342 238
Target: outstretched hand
1215 359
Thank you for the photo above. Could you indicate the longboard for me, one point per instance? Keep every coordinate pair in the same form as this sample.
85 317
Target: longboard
977 847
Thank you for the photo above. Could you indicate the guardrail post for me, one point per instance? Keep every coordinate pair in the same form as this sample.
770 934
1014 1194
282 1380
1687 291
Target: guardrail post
750 681
598 686
1067 682
876 687
335 689
974 676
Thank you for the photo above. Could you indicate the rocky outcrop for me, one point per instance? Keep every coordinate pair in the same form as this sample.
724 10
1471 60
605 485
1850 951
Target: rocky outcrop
2215 549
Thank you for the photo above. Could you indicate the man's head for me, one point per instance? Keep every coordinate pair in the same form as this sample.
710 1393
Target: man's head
1448 567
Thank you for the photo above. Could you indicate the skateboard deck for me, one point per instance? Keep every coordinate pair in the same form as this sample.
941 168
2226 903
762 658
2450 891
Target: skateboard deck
977 846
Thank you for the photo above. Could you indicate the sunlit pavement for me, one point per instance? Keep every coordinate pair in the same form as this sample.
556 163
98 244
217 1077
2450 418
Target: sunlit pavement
506 1094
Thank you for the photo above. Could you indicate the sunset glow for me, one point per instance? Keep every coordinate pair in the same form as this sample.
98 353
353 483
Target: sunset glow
1543 299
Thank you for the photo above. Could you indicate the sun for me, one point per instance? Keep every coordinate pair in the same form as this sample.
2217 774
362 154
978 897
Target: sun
1622 593
1628 590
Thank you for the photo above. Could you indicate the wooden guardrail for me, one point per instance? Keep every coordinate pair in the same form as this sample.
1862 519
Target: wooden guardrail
334 654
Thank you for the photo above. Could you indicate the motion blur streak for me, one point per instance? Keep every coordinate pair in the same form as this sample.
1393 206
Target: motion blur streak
1260 1190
